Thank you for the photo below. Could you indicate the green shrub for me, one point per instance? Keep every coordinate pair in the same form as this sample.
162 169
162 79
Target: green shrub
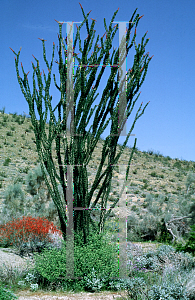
6 294
190 183
3 174
145 205
4 243
134 208
153 174
167 158
15 204
142 229
145 181
164 237
190 245
170 285
9 133
2 110
135 287
150 152
149 199
26 169
28 129
177 164
95 263
172 180
25 158
20 119
144 187
14 115
157 154
5 118
164 291
6 162
38 190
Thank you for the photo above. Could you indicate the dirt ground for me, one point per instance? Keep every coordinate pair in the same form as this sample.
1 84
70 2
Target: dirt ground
27 295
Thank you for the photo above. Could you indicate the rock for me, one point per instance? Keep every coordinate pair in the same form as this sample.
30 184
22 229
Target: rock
9 260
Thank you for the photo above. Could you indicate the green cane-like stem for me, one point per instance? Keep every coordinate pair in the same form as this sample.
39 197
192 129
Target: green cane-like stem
79 151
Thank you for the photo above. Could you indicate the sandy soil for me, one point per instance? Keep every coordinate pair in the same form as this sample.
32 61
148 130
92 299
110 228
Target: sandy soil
71 296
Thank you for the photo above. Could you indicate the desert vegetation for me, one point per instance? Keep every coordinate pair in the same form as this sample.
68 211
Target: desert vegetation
160 202
159 191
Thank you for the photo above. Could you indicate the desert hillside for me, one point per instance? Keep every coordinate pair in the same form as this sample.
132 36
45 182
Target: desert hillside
158 188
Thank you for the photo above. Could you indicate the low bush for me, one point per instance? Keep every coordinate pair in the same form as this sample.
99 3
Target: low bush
28 234
190 245
6 294
6 162
95 264
163 292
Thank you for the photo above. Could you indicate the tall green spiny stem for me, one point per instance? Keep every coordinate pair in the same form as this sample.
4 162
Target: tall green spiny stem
82 144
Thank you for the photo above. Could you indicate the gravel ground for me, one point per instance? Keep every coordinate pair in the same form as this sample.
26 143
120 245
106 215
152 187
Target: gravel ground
73 296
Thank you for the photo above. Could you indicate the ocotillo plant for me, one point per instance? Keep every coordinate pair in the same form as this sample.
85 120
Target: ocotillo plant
75 153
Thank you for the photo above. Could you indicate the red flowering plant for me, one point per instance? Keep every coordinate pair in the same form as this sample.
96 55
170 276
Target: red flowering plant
28 234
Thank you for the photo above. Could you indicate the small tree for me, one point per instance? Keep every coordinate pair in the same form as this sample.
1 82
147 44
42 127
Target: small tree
76 154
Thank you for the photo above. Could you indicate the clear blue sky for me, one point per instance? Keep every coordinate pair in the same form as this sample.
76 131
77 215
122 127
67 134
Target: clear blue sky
168 123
